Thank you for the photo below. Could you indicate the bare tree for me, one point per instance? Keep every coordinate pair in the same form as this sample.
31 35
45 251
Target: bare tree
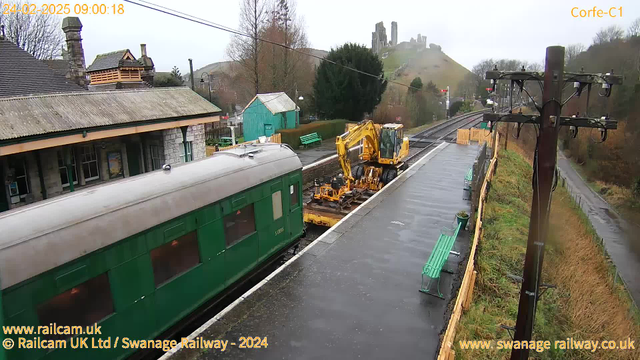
288 67
608 34
572 51
246 50
38 34
634 28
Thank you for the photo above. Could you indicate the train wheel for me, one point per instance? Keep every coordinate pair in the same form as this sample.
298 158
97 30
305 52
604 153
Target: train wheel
357 171
383 177
391 174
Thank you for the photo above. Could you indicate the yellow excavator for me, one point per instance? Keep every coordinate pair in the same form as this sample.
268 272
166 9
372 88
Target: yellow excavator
383 150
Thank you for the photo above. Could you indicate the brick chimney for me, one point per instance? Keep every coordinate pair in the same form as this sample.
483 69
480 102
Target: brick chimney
75 54
149 70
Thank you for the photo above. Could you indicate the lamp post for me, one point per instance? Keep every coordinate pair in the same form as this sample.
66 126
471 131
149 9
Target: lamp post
208 81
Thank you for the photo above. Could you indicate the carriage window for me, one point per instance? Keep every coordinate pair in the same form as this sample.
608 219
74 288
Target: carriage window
276 200
175 258
293 193
82 305
239 224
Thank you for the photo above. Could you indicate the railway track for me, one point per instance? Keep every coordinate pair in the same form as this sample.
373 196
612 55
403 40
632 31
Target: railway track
433 135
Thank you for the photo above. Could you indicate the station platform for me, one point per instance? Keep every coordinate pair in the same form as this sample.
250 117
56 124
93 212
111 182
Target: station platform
316 152
353 292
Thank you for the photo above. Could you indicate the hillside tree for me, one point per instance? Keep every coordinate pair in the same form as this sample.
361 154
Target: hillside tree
572 51
608 34
344 93
634 28
38 34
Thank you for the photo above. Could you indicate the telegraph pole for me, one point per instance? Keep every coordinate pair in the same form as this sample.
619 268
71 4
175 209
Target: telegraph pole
548 122
544 170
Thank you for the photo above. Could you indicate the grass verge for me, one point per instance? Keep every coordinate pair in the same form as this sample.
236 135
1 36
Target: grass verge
586 305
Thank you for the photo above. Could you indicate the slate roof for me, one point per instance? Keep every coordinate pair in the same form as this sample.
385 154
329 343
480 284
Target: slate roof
36 115
112 60
59 66
278 102
22 74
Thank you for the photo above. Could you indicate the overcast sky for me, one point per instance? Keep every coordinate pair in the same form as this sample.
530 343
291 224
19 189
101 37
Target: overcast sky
468 31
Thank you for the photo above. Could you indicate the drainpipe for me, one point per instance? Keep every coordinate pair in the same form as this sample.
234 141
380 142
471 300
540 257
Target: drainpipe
184 141
43 189
68 155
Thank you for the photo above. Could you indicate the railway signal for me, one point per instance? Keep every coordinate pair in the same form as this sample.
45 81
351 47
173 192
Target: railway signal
549 122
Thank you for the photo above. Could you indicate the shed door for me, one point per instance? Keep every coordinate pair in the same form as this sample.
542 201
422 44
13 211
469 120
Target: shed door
268 129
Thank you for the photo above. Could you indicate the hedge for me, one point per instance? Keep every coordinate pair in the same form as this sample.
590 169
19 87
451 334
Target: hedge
327 129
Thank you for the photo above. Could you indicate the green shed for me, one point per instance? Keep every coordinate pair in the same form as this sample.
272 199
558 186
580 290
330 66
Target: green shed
268 113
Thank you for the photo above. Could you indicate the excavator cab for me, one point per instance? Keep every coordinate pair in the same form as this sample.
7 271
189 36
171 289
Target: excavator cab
392 144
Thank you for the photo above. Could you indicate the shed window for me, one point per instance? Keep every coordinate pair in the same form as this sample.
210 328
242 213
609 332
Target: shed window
157 157
62 168
83 305
239 224
89 160
175 257
293 193
276 201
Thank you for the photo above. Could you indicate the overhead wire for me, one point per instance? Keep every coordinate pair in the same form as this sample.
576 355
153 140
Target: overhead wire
172 12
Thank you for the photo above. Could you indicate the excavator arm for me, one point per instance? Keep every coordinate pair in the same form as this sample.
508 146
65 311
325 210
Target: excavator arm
346 141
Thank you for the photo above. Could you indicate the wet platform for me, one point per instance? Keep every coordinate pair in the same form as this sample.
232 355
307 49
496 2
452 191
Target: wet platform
353 293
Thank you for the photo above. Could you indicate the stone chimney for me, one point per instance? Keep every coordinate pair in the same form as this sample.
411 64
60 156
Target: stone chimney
149 70
75 54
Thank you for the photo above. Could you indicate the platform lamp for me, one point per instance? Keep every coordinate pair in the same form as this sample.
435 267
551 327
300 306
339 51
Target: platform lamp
209 81
68 160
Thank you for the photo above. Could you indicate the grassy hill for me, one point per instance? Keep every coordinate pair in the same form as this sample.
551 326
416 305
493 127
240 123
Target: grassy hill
428 64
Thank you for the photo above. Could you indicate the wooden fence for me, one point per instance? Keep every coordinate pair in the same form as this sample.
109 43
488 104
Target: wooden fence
275 138
467 135
465 294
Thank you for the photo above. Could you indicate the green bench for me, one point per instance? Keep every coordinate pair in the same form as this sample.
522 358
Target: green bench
310 139
435 264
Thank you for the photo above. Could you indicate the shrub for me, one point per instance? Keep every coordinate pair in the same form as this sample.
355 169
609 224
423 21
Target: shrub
327 129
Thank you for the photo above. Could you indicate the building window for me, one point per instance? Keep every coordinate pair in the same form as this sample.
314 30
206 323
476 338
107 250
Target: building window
64 173
293 192
175 257
276 202
89 161
157 157
188 155
239 224
83 305
20 185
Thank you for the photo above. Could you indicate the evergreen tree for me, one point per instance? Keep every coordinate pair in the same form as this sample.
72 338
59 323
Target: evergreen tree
344 93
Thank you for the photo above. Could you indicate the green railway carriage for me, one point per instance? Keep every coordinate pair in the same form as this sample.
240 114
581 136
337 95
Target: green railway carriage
137 255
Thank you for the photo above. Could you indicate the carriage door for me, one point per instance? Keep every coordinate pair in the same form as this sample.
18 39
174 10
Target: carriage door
295 205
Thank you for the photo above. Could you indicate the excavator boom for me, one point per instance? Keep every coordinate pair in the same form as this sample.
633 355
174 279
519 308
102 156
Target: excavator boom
346 141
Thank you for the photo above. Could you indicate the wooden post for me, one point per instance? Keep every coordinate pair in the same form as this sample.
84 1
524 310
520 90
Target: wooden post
467 301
